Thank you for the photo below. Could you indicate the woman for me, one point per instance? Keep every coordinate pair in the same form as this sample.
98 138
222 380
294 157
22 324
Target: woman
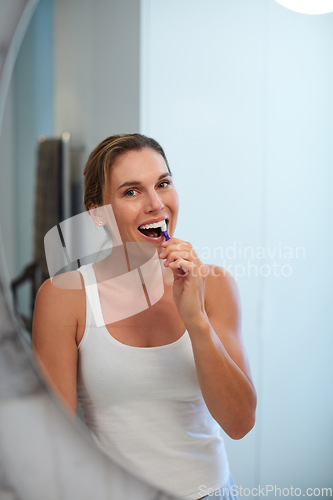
155 386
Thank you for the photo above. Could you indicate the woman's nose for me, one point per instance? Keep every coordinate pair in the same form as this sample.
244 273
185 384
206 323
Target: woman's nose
153 202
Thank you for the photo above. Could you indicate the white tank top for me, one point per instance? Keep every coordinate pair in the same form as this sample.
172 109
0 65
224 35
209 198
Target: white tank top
145 408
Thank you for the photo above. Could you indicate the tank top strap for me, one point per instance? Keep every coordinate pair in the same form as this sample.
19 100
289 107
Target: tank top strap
94 314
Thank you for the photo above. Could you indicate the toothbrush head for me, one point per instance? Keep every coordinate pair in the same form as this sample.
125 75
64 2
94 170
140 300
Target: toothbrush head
164 231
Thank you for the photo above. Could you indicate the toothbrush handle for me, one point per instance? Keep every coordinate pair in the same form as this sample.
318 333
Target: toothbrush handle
167 237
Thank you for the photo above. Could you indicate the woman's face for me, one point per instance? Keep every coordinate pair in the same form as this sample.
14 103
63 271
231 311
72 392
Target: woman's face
141 192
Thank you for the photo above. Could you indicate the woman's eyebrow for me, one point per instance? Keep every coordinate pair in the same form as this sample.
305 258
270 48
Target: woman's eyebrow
137 183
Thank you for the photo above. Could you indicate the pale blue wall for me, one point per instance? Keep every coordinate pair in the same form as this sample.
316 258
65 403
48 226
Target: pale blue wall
97 68
33 116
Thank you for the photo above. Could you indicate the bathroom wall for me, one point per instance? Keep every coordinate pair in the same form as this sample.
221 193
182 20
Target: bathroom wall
97 68
28 114
7 202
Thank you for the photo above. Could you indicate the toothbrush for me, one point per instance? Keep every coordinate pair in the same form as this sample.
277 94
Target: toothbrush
164 231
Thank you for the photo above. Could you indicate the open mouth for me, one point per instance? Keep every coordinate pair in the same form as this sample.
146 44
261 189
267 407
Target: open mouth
152 230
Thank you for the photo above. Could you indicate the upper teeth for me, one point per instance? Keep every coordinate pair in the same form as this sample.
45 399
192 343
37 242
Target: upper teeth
161 224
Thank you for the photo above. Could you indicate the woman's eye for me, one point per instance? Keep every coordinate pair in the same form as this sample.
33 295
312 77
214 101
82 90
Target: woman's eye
130 193
164 182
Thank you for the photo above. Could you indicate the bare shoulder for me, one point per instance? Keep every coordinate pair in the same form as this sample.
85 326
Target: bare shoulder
62 285
222 295
219 275
220 284
61 295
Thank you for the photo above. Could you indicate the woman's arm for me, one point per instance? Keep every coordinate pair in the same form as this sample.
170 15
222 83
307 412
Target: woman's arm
221 362
54 340
208 303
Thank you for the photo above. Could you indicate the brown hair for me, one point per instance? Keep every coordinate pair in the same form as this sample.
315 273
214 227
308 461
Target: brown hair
101 159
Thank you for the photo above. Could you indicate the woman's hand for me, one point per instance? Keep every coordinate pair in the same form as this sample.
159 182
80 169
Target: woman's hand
189 281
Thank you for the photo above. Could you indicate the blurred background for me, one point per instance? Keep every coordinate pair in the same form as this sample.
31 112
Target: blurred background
239 94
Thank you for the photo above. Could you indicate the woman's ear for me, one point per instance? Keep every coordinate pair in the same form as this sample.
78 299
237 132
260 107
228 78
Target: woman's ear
96 214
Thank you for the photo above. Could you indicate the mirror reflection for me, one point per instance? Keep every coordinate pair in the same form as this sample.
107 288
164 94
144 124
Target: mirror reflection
239 98
149 352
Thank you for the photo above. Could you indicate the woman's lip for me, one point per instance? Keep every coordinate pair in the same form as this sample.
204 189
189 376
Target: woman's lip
152 221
